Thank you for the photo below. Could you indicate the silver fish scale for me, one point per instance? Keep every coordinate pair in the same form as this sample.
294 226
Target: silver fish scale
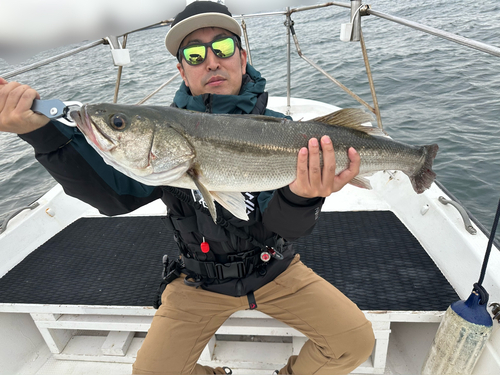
245 152
254 153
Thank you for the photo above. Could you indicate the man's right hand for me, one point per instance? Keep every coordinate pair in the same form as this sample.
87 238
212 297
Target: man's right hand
16 115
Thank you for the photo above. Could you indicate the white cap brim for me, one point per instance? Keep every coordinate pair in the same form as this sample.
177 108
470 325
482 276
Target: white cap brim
179 31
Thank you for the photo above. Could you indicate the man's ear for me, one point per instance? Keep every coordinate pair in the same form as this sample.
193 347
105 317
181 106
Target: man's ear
243 55
183 73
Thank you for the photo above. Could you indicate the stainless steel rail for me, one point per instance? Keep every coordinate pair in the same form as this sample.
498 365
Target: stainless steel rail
61 56
119 74
10 216
364 10
158 89
367 10
289 27
338 83
247 43
440 33
331 3
465 217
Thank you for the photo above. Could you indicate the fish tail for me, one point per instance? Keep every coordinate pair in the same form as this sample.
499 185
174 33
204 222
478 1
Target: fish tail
423 177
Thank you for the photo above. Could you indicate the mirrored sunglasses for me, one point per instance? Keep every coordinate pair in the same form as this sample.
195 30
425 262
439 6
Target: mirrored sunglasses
195 54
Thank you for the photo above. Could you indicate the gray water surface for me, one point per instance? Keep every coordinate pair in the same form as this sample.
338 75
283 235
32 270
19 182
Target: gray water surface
429 90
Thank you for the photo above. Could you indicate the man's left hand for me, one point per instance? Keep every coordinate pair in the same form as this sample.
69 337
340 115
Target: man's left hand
314 181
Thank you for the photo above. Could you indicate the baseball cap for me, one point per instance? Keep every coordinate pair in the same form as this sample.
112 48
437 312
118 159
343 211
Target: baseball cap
195 16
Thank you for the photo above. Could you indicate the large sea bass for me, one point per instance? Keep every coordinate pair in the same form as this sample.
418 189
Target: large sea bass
223 155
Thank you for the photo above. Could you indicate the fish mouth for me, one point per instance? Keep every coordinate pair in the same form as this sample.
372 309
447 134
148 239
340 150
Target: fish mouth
91 131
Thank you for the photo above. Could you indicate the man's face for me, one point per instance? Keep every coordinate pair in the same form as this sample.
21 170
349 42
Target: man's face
214 75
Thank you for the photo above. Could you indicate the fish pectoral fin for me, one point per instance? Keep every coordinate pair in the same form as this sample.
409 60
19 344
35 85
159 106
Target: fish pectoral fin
351 118
207 196
232 201
361 182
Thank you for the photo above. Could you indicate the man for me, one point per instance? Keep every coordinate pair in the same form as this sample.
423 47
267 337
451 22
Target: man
223 272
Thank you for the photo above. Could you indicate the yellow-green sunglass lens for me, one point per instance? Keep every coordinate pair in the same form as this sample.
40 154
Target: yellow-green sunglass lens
195 55
222 48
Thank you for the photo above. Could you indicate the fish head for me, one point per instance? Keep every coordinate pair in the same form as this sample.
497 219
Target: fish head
136 140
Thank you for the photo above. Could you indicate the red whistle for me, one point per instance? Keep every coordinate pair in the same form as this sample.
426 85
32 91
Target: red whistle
205 247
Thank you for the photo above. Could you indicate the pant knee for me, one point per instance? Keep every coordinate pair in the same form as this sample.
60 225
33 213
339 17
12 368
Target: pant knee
350 349
338 354
359 345
366 341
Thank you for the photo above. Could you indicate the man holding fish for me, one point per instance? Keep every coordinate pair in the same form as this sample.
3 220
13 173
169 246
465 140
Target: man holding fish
223 272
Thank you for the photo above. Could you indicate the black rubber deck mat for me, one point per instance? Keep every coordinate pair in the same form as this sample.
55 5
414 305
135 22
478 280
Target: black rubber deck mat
369 256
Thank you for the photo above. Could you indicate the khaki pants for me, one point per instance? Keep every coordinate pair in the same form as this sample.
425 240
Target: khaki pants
340 337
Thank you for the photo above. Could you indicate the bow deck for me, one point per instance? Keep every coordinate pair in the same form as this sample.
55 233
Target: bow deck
370 256
90 288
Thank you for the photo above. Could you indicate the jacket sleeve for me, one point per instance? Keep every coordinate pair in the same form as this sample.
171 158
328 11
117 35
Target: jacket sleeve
289 215
83 174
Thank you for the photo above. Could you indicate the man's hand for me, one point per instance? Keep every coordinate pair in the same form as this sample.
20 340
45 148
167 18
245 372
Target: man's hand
312 181
16 115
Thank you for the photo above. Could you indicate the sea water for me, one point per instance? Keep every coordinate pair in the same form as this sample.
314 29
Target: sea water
429 90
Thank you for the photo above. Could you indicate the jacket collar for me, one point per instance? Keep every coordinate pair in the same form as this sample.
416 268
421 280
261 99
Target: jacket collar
253 86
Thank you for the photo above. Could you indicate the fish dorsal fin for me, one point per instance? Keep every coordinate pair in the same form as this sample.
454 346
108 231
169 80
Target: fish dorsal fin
351 118
263 118
345 117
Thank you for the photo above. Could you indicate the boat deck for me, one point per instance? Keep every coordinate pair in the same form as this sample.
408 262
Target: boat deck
90 288
370 256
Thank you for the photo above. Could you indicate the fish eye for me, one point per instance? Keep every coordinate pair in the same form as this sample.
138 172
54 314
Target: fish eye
118 121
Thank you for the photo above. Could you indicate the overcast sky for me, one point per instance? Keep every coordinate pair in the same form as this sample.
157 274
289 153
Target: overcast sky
31 26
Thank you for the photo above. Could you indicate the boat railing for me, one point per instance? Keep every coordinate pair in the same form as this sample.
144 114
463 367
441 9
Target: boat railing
354 34
350 32
353 29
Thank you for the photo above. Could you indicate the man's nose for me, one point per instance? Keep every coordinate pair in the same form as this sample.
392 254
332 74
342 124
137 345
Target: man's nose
212 60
